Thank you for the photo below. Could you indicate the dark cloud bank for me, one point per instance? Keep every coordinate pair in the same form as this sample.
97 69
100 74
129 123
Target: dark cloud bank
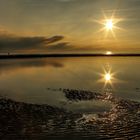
15 44
41 44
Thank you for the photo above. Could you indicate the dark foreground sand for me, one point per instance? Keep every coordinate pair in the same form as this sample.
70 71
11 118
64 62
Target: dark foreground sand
19 120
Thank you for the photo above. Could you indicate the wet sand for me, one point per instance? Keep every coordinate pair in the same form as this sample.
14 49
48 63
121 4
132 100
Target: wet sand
31 121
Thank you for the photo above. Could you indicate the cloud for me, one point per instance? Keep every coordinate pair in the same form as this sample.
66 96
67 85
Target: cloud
14 43
40 44
10 43
54 39
60 46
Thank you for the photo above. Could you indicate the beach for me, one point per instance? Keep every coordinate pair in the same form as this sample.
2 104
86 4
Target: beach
21 120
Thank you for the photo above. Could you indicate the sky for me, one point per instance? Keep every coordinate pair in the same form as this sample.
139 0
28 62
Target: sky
69 26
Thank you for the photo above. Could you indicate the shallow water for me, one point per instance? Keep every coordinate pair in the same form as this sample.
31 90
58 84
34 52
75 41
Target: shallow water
47 122
29 79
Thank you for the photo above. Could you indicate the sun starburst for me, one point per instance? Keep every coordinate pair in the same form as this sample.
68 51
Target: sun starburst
109 24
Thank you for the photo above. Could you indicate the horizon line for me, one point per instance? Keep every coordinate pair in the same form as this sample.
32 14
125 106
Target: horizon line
10 56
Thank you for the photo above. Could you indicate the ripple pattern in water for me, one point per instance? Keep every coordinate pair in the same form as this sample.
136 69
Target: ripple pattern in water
31 121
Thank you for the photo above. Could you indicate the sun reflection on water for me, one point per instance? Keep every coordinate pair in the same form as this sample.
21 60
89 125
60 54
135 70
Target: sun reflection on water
108 77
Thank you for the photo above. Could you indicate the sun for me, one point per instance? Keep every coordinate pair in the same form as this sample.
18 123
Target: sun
108 53
109 24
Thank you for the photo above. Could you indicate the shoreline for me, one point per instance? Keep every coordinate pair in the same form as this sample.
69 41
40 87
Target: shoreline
19 119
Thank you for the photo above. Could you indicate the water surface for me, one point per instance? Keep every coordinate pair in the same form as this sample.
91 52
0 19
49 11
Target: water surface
39 80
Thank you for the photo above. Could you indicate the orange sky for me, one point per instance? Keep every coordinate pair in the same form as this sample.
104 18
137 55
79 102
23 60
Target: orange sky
23 21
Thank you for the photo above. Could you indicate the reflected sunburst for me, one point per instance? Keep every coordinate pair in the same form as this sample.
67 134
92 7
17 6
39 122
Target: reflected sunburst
108 78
